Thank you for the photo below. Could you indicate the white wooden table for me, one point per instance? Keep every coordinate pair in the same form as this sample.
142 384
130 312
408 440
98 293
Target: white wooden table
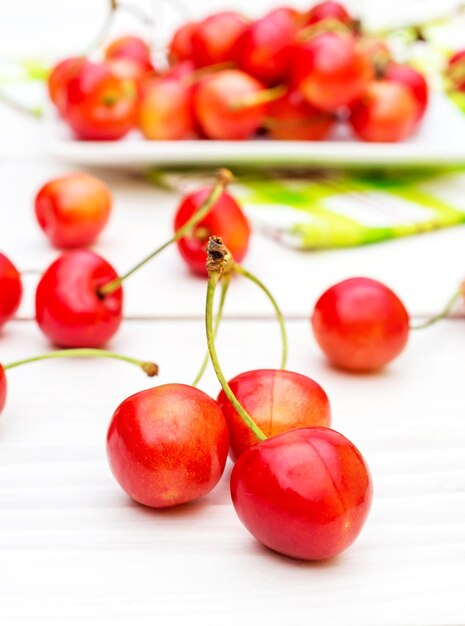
75 550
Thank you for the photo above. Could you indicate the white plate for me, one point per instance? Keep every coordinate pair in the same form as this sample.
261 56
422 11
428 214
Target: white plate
440 141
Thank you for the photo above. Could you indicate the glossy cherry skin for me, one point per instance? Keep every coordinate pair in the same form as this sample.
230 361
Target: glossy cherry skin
214 38
99 105
328 11
72 210
360 324
214 100
11 289
3 388
265 48
331 70
305 493
292 118
69 310
225 219
58 80
180 47
167 445
456 70
277 400
132 48
413 80
165 110
387 112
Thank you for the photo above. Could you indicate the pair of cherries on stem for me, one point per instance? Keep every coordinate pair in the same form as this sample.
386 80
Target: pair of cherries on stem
150 368
79 299
304 492
361 325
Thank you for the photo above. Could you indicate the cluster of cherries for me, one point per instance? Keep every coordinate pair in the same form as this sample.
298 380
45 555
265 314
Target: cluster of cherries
298 486
289 75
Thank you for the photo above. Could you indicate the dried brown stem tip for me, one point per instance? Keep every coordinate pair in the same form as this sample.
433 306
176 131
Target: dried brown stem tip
219 259
151 369
224 176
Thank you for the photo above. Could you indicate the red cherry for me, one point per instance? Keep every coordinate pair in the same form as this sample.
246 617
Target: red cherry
386 112
226 219
287 12
456 70
132 48
11 289
328 11
72 210
214 105
69 309
126 69
360 324
165 110
293 118
180 47
167 445
305 493
277 400
331 70
100 106
213 39
265 48
58 80
3 387
413 80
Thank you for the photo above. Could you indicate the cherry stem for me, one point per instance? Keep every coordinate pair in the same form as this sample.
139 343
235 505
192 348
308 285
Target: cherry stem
444 313
202 72
30 271
328 25
219 314
150 368
258 97
10 102
241 270
216 267
223 178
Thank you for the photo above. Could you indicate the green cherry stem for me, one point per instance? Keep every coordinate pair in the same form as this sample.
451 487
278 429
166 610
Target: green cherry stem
444 313
150 368
215 268
223 178
258 97
219 314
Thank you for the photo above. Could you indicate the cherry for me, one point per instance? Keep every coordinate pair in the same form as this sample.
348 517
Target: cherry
277 400
225 217
150 368
328 11
265 48
165 110
456 70
217 105
167 445
58 80
70 310
128 70
293 118
180 47
11 289
305 493
132 48
331 70
386 112
413 80
99 105
213 38
72 210
360 324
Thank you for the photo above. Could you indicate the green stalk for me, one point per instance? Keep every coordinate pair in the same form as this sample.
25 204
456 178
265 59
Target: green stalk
440 316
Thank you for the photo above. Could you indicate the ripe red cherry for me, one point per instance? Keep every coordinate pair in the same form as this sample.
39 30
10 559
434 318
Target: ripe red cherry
360 324
72 210
456 70
226 219
293 118
331 70
132 48
305 493
265 48
413 80
99 105
69 309
180 47
11 289
215 100
277 400
167 445
165 110
328 11
58 80
213 38
386 112
2 388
